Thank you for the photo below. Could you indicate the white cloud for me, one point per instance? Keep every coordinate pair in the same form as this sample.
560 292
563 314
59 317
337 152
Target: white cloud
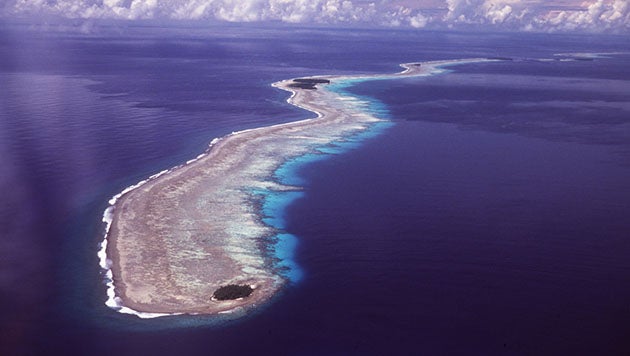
596 16
531 15
227 10
591 15
486 12
418 21
498 12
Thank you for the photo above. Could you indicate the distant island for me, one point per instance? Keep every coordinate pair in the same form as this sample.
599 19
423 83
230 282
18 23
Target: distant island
191 240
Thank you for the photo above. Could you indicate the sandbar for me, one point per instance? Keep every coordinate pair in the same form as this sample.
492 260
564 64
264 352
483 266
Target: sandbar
172 241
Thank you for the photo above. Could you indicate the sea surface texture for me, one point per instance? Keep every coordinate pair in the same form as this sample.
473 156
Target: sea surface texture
489 216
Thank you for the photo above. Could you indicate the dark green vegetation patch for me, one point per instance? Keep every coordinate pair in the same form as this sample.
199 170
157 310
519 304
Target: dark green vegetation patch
307 83
232 291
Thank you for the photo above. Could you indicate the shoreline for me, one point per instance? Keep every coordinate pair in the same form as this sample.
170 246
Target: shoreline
175 238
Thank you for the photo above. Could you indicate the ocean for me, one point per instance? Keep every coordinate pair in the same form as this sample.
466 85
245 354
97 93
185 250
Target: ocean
488 217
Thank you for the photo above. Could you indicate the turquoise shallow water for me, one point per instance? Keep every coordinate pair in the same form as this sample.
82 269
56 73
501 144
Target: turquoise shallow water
275 203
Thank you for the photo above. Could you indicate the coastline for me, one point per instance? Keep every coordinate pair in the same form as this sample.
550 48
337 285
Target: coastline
174 239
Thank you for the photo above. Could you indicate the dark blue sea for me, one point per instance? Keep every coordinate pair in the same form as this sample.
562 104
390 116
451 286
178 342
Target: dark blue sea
490 217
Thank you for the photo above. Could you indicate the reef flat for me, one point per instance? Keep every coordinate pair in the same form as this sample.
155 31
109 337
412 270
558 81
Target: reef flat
191 240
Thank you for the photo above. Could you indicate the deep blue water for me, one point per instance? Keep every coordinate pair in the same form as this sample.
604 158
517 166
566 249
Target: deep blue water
490 218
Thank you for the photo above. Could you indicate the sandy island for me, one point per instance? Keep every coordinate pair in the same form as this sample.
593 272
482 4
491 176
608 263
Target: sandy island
177 243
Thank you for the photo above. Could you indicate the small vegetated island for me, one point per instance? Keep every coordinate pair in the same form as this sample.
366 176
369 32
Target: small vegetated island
307 83
191 240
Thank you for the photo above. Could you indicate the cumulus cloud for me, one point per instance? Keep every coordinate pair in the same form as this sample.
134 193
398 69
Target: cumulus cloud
593 15
317 11
528 15
418 21
600 15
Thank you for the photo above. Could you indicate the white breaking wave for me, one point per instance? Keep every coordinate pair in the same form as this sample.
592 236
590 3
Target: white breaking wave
105 263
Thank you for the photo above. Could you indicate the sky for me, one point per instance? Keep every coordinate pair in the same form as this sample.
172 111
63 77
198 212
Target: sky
610 16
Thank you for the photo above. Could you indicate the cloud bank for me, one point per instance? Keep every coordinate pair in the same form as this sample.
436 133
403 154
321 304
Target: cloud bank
516 15
592 16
